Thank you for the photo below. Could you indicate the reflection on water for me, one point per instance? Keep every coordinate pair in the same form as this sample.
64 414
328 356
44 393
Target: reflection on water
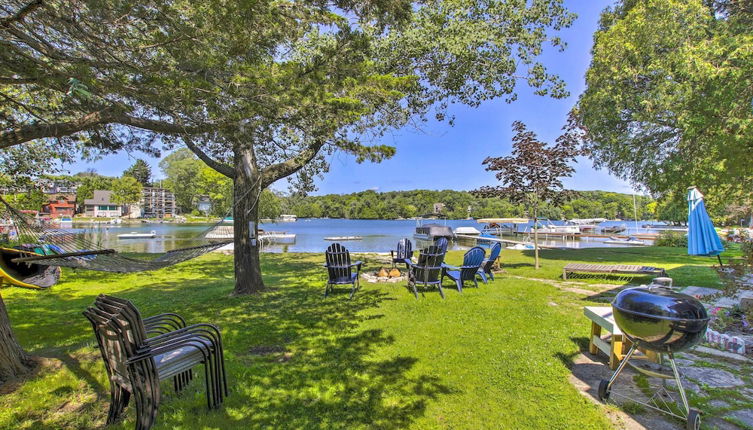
378 235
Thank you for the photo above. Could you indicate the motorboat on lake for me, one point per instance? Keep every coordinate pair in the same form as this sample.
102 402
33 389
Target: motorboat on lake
65 222
545 226
614 228
136 235
630 241
497 226
278 237
521 246
468 231
432 231
227 232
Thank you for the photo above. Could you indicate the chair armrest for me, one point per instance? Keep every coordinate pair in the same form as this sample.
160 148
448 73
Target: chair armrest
164 323
208 331
357 265
151 352
447 266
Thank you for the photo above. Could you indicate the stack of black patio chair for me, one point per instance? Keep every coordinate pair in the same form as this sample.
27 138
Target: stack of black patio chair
138 353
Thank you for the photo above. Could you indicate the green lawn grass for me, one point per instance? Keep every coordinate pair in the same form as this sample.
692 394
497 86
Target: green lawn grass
685 270
493 357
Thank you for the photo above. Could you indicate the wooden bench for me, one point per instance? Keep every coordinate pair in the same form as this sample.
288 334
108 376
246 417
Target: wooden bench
614 346
612 269
602 319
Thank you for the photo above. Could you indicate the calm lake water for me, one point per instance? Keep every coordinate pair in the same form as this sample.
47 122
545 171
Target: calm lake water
378 235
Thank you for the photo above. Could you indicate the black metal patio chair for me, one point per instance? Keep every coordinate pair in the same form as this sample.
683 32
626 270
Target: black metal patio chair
427 271
468 271
136 363
340 269
488 263
403 253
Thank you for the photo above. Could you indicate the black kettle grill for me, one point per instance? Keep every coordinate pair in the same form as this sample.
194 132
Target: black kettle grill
661 320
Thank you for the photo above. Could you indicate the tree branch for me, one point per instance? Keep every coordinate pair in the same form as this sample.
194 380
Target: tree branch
209 161
29 132
292 165
17 81
21 14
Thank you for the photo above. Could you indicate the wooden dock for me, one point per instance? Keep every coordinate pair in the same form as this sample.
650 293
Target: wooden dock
495 239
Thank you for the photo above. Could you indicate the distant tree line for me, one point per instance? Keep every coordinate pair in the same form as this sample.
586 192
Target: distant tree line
462 204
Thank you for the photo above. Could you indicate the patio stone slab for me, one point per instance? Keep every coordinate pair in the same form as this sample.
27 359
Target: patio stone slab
715 378
699 291
744 415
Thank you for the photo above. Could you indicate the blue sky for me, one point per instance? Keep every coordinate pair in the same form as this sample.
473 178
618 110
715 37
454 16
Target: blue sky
445 157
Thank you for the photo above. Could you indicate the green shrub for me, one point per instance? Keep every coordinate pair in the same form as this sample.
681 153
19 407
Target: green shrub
672 238
746 248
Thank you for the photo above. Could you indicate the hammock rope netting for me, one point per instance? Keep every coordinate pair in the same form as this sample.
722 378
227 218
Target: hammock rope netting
72 249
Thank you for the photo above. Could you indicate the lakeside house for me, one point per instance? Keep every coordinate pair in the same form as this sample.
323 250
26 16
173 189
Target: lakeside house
59 208
101 205
157 203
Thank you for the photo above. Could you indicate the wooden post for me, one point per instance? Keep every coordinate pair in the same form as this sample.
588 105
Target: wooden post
616 355
595 332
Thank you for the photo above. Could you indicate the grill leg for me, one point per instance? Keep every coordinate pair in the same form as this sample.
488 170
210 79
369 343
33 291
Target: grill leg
622 365
679 383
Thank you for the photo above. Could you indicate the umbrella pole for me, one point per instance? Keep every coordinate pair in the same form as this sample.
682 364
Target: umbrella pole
719 257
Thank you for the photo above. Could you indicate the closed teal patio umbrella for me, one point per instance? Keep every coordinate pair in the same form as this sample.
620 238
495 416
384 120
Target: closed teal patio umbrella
702 237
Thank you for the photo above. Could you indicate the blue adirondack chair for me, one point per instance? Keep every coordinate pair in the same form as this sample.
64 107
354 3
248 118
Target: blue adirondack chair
404 252
467 272
340 269
486 265
441 242
427 272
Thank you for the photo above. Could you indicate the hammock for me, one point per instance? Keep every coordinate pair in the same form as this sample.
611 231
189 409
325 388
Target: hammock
56 247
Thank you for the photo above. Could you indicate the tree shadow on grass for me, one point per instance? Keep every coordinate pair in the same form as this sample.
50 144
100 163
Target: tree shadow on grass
294 358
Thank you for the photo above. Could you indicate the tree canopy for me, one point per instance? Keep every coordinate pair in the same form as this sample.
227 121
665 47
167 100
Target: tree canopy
141 171
669 95
533 173
126 190
261 91
408 204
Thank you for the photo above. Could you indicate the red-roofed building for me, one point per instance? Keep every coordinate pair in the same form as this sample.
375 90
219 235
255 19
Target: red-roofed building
59 208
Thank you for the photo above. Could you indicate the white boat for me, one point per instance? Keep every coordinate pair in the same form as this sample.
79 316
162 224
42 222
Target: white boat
65 222
115 221
498 226
547 227
288 218
521 246
226 232
339 238
135 235
279 237
631 241
470 231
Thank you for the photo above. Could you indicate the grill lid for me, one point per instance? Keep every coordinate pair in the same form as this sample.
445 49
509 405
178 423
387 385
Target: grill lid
660 303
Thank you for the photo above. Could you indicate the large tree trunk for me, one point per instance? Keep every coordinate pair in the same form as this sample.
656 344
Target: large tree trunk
13 360
246 193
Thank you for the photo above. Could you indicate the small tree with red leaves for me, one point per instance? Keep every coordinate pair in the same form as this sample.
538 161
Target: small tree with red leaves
533 173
